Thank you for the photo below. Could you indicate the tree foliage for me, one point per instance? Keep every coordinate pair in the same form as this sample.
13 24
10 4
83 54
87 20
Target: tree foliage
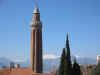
65 64
96 71
76 68
65 67
62 63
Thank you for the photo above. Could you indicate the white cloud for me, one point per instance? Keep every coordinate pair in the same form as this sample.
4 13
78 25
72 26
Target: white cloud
20 60
49 56
79 56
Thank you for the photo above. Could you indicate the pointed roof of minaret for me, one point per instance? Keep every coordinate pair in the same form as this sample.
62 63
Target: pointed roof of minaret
36 9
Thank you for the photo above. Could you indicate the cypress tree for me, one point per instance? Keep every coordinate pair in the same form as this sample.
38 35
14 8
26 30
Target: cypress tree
76 68
66 68
65 64
62 63
68 63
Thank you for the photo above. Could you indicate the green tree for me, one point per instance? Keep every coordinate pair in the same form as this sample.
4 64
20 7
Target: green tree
96 71
65 64
62 63
67 70
68 64
76 68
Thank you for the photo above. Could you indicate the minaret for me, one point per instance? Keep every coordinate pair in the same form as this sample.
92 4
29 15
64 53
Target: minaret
36 42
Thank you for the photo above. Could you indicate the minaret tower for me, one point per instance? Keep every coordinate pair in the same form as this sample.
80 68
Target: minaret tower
36 42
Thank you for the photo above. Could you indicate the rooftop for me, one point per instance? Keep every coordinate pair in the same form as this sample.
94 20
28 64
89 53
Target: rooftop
20 71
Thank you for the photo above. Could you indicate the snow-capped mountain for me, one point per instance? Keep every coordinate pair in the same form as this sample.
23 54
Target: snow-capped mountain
49 64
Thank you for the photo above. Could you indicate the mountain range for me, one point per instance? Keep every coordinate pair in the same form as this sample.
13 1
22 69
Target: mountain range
49 64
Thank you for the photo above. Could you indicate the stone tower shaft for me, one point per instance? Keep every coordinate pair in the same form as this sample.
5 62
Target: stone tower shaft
36 42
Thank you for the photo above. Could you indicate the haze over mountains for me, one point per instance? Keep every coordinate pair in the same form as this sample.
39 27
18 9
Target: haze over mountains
50 64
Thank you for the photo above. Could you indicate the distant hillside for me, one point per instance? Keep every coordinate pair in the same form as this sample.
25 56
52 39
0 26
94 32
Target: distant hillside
4 62
49 65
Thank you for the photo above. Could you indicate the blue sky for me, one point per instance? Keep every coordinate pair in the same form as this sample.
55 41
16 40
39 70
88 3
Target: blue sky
79 18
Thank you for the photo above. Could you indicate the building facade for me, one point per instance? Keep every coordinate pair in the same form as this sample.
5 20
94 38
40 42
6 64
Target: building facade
98 59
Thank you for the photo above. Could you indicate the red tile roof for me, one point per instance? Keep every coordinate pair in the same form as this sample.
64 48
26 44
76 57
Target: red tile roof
21 71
